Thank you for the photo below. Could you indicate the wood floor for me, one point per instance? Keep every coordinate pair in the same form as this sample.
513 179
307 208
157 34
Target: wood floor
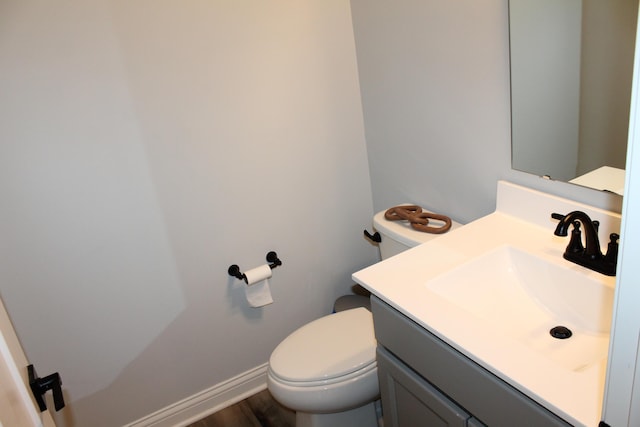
259 410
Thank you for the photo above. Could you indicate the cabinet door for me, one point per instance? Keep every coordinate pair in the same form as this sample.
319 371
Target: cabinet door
410 401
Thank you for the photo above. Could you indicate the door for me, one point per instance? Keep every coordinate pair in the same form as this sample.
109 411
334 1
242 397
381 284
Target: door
17 406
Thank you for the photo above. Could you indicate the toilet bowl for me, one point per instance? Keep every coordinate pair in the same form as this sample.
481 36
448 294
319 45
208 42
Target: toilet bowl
326 370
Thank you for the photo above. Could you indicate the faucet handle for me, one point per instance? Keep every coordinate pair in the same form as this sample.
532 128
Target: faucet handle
575 243
612 249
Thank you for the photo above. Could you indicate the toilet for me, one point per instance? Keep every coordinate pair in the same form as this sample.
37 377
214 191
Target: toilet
326 370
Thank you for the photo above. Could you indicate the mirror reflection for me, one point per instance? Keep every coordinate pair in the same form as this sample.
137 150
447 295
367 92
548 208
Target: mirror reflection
571 73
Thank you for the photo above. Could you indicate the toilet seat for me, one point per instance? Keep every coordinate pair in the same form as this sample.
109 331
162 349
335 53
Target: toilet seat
331 349
324 382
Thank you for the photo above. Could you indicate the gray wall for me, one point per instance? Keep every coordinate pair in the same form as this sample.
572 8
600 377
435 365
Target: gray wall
606 82
434 78
545 52
145 147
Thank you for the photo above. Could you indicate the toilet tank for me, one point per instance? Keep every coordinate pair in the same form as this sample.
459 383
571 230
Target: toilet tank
398 236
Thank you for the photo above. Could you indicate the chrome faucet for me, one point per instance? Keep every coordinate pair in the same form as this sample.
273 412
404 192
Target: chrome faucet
589 255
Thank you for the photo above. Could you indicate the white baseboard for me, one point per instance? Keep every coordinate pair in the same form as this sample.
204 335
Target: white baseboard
205 403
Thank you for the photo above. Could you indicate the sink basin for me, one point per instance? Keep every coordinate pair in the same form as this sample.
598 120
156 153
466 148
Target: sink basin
522 296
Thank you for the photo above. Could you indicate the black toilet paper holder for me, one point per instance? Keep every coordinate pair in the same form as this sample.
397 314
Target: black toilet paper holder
272 259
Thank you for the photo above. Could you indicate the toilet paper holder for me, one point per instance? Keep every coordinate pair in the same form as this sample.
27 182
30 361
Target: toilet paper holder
272 259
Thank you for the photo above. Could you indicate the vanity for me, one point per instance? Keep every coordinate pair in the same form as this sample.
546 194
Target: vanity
464 322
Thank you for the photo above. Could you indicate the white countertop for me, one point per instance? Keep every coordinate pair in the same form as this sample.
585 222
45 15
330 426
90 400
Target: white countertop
522 221
605 178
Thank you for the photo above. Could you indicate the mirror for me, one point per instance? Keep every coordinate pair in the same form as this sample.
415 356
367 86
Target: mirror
571 73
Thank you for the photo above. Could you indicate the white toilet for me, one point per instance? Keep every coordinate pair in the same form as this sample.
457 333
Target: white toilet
326 370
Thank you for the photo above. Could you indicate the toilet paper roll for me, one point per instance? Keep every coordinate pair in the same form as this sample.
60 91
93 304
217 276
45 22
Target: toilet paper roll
258 274
257 290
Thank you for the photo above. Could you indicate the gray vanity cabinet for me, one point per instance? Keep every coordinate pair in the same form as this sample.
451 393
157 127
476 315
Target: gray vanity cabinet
426 382
409 400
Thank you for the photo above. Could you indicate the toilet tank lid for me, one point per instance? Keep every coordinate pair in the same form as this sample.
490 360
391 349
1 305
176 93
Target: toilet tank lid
327 348
402 232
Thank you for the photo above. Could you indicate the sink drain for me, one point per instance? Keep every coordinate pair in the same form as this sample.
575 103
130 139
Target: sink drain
560 332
